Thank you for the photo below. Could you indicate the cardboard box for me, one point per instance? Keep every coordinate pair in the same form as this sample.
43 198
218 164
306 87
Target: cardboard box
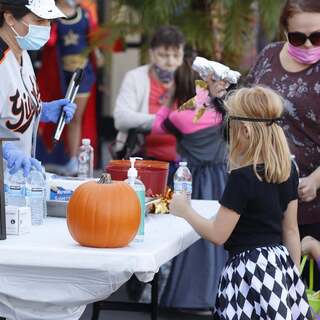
62 188
18 220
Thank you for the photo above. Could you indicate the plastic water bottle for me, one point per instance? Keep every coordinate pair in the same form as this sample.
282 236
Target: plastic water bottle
16 190
85 159
140 190
37 195
182 180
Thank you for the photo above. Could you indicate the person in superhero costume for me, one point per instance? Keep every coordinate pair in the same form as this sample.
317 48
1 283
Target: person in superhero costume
64 53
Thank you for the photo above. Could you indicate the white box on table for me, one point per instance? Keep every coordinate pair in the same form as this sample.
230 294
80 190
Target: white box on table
18 220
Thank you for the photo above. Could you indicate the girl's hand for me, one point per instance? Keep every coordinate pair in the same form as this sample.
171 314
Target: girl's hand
307 188
179 205
310 246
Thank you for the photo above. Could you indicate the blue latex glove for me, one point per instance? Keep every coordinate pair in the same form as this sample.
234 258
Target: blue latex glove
17 159
51 110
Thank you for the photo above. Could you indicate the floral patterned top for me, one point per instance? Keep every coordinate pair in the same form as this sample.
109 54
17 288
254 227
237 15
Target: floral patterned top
301 91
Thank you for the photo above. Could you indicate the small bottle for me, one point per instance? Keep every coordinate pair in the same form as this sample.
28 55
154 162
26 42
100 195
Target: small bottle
182 180
85 158
16 190
37 196
140 190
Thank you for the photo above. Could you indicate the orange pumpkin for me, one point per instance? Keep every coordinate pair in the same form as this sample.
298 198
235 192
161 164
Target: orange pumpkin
103 214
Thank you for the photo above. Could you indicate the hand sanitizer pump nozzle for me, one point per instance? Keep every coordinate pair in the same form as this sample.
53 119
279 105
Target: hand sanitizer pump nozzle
133 172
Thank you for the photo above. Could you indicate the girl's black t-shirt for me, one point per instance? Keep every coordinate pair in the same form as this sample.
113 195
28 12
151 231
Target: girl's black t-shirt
261 206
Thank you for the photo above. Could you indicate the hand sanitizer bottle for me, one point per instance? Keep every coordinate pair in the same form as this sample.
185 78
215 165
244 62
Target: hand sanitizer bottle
140 190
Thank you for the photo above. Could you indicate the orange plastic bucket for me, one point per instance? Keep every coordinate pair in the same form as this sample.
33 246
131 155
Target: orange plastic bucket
154 174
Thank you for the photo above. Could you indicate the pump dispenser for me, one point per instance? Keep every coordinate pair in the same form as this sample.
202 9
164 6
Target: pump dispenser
133 172
140 190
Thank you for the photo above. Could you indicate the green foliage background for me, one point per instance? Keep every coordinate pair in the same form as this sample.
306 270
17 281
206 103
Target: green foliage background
232 22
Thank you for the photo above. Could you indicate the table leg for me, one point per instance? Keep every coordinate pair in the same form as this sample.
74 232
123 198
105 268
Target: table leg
154 297
95 311
131 306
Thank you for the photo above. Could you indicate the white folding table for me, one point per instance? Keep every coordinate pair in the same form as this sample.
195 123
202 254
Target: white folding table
47 275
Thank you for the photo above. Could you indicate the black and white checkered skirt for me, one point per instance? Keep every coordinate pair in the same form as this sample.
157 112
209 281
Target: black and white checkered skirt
262 283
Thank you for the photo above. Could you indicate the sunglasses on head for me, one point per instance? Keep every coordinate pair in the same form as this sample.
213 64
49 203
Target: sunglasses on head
298 39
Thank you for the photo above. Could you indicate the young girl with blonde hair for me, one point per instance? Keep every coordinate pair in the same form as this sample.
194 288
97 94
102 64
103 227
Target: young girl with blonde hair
257 220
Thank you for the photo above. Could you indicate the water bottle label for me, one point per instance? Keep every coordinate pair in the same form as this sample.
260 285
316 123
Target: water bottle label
36 192
16 196
16 191
84 157
185 186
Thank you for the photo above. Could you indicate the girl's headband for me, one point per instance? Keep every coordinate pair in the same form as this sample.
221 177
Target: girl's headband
268 121
226 128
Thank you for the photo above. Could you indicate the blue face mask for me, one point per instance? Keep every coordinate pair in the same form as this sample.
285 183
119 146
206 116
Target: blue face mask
35 39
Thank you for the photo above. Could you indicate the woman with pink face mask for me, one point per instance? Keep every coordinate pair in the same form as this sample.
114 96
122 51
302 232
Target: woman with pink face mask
292 68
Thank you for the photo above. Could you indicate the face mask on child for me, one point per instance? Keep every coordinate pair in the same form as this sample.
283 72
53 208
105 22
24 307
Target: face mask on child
35 39
304 56
164 76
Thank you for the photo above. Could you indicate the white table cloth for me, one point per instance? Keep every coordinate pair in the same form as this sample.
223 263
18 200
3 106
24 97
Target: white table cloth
47 275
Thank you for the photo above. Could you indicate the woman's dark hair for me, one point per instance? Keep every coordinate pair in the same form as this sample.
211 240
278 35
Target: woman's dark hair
167 36
18 11
185 77
292 7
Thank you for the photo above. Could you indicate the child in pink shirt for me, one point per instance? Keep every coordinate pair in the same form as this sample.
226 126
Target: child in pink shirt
185 121
200 143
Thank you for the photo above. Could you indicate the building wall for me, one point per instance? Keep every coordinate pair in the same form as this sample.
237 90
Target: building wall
121 63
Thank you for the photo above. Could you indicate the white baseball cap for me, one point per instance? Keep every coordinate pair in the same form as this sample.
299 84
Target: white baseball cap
45 9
